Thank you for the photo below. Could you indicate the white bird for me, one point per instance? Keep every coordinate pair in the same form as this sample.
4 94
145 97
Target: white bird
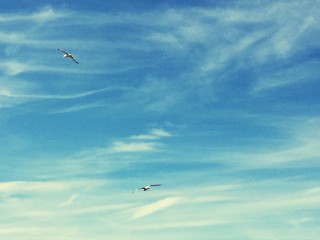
146 188
66 54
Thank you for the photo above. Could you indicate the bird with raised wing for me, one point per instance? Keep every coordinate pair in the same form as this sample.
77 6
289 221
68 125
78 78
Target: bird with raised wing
146 188
68 55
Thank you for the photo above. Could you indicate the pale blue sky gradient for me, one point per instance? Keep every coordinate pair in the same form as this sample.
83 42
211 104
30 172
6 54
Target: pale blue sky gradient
216 100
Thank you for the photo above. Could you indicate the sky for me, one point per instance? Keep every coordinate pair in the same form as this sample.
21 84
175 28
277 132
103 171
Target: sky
218 101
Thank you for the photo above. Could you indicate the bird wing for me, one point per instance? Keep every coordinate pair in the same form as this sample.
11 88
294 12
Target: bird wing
63 51
72 57
154 185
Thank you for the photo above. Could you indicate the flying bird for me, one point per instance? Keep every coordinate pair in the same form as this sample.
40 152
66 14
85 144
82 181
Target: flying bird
66 54
146 188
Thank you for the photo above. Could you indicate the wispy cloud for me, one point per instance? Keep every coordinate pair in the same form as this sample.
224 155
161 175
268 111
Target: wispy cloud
70 201
183 225
298 222
154 207
155 133
44 14
142 142
14 68
76 108
300 149
14 93
40 186
133 147
303 73
7 93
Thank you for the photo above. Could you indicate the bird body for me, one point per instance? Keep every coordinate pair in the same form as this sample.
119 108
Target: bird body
68 55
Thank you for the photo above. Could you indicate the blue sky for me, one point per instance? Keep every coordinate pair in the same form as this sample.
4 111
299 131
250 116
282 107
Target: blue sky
216 100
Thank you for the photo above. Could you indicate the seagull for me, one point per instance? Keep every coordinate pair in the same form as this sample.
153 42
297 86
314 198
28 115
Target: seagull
66 54
149 186
146 188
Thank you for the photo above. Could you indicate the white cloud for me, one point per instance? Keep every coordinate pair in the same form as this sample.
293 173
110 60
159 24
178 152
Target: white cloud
14 68
155 133
9 229
11 37
160 133
45 14
141 143
44 187
296 146
297 222
71 96
187 224
154 207
134 147
76 108
312 191
304 72
165 38
70 201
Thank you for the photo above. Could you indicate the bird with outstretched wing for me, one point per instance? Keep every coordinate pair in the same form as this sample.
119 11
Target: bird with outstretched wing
146 188
68 55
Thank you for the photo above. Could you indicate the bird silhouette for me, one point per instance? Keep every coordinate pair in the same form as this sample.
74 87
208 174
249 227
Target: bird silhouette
146 188
68 55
